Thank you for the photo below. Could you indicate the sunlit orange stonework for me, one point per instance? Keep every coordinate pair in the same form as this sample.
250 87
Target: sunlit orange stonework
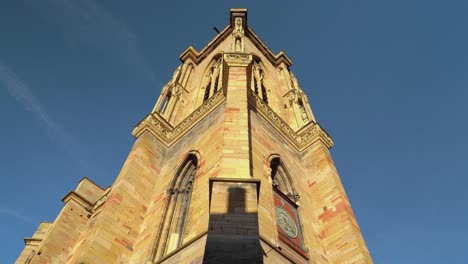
229 167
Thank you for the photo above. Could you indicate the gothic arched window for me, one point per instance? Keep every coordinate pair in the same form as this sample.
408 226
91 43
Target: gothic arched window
258 79
211 81
285 200
281 180
180 194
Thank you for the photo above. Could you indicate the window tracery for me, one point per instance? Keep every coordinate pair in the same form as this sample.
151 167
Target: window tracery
285 200
281 180
211 82
167 102
177 211
259 86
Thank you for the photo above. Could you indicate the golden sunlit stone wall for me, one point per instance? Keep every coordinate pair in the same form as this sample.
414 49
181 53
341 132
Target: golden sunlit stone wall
234 134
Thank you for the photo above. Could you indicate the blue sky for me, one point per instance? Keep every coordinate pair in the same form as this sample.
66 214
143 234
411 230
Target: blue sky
387 79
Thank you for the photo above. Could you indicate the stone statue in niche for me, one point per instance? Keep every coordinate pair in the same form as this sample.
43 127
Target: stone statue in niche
238 45
304 116
238 34
275 182
238 28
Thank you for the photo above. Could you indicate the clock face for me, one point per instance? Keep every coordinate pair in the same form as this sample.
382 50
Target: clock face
286 222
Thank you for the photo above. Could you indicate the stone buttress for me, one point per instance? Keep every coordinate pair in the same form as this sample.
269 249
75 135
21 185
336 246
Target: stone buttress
230 166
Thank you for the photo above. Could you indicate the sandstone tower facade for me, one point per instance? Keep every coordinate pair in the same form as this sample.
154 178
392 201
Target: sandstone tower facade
229 167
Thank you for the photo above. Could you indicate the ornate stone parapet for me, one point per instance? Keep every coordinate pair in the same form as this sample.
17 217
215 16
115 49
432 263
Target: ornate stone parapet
300 139
165 132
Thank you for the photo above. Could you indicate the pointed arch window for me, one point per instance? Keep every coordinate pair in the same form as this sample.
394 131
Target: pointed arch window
258 79
177 210
285 199
281 180
211 82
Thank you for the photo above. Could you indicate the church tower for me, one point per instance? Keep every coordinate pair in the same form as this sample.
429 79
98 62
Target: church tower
230 166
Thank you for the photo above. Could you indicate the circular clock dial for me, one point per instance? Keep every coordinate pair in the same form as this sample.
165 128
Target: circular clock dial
286 222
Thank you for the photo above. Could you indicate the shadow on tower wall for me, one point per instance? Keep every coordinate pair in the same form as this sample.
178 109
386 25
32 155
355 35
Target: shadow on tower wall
233 226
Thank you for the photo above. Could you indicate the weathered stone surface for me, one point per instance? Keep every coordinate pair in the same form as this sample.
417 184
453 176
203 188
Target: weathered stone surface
233 108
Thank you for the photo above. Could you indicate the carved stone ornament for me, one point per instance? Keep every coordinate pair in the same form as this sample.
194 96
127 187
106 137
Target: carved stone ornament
238 27
293 196
286 222
294 83
161 129
238 34
275 182
290 98
300 139
237 59
304 116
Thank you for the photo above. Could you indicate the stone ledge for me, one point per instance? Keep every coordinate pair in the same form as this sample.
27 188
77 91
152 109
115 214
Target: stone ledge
279 251
186 244
31 241
87 205
167 134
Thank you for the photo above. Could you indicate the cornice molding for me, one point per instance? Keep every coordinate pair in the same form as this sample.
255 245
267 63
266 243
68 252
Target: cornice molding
236 59
196 56
32 241
87 205
300 139
275 59
167 134
156 125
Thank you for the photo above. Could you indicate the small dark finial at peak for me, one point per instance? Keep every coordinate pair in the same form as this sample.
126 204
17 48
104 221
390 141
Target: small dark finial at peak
216 29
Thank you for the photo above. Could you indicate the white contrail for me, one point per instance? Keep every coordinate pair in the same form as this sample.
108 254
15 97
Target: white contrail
23 95
15 214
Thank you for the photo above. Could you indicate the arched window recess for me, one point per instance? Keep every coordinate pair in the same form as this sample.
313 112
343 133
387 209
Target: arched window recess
166 103
212 78
285 197
258 81
176 215
281 179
